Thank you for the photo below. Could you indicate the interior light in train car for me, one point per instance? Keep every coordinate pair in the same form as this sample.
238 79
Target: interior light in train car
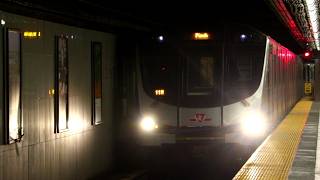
201 36
31 34
3 22
159 92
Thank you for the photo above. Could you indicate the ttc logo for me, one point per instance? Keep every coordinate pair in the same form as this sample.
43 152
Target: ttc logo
200 117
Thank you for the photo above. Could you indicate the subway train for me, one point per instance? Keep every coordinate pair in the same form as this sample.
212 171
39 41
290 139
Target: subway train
230 84
54 80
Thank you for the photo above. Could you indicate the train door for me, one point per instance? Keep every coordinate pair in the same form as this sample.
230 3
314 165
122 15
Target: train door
308 75
200 97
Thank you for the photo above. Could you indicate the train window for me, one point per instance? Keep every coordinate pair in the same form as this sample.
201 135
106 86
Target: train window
61 107
96 74
13 86
243 63
192 69
200 75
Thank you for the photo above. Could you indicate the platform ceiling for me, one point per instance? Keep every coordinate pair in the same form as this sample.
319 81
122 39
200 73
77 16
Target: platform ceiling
168 14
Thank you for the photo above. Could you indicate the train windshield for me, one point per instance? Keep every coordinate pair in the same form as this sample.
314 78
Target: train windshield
160 71
200 75
201 70
190 71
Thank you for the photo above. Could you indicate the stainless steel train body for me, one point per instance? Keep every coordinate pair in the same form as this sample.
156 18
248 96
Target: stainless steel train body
230 85
36 143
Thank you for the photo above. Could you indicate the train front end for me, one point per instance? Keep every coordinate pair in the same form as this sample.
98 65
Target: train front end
201 87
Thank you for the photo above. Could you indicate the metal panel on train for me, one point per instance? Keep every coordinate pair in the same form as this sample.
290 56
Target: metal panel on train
81 151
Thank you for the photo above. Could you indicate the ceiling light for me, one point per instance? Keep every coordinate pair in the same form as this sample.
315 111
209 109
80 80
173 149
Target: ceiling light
313 15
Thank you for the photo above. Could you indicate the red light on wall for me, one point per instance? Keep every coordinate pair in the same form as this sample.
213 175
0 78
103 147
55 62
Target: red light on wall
306 54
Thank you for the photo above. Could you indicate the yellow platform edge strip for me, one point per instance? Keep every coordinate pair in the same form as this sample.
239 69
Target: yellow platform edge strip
274 157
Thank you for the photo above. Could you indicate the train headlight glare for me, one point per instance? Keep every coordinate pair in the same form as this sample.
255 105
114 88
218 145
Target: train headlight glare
254 123
148 124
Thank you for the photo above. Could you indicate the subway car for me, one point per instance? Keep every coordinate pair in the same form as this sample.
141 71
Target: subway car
230 84
55 99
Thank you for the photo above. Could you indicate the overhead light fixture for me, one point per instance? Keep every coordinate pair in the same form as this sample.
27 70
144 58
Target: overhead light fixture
313 15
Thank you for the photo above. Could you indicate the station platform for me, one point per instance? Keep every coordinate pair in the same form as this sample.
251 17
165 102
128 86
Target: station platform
292 150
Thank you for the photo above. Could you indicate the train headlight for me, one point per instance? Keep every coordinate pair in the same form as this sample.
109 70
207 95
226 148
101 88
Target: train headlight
254 123
148 124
